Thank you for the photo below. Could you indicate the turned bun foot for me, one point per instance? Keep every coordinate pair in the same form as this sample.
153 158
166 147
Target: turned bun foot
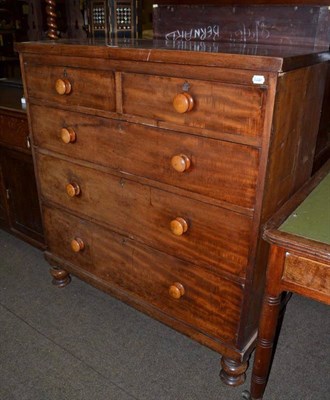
61 277
233 372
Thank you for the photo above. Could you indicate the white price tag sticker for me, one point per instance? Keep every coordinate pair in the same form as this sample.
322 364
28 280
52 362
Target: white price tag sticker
258 79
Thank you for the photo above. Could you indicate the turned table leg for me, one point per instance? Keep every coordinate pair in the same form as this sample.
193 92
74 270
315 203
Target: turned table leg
265 342
268 324
233 372
61 277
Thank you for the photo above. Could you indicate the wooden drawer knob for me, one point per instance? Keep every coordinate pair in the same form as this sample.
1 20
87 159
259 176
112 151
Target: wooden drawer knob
183 102
77 245
178 226
176 290
68 135
180 162
73 189
63 86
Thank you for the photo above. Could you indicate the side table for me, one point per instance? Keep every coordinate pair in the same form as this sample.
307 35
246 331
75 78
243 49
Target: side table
299 262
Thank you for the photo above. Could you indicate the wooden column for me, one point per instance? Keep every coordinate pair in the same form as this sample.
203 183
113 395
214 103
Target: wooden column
51 19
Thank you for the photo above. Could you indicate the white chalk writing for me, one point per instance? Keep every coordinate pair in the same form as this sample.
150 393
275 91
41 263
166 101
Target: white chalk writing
237 34
210 32
212 47
244 34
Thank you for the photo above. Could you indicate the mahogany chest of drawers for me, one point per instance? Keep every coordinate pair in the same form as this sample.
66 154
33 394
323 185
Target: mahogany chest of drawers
157 167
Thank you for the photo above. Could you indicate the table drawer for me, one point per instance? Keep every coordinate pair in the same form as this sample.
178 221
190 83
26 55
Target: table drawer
307 273
78 86
14 131
189 229
209 303
221 170
213 106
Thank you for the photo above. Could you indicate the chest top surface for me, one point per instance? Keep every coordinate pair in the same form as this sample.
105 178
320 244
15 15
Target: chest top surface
227 55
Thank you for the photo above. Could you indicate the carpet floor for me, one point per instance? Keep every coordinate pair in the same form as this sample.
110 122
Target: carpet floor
78 343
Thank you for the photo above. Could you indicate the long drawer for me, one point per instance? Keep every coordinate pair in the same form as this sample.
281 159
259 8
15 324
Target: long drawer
205 301
214 168
77 86
213 106
186 228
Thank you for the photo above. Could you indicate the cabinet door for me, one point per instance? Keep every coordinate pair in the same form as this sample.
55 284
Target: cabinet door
3 203
21 194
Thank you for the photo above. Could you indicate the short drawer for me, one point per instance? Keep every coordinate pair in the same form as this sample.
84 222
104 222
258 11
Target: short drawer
201 299
71 86
212 106
218 169
14 131
186 228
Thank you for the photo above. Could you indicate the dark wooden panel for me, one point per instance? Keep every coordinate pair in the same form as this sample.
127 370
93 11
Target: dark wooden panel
322 151
216 237
289 25
294 133
10 96
210 303
219 169
245 2
14 129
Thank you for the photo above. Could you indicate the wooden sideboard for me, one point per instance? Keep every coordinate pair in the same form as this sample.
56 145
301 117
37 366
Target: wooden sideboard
19 204
157 164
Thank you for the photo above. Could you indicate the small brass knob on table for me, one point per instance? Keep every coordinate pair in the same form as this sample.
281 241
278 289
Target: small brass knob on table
73 189
180 162
176 290
63 86
178 226
68 135
183 102
77 245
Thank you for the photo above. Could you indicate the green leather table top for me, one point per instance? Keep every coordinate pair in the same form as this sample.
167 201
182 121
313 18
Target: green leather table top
311 219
